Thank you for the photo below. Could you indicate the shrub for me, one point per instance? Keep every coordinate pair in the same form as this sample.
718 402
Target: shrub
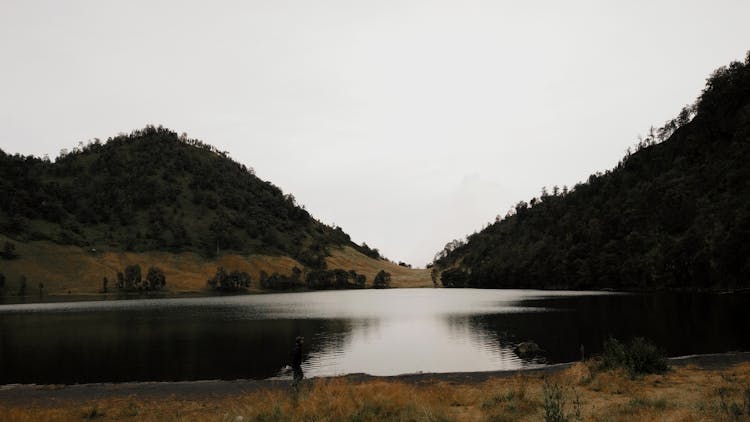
638 357
9 251
382 280
278 281
454 277
234 281
553 404
554 401
334 279
155 279
132 277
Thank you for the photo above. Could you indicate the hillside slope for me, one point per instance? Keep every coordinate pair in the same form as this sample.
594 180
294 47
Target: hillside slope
674 214
155 190
71 270
155 198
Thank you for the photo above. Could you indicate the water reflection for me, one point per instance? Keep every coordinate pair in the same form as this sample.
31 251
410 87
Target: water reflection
376 332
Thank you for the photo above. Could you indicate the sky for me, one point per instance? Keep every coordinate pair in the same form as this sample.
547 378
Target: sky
407 123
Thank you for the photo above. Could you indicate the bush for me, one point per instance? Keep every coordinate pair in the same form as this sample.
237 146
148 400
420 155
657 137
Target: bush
334 279
553 404
454 277
155 279
133 277
9 251
234 281
382 280
278 281
638 357
22 286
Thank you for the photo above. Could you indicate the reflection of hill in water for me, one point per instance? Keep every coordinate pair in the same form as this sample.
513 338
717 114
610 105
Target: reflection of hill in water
123 347
681 323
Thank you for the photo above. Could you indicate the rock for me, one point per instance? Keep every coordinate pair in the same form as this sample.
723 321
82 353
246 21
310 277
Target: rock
527 350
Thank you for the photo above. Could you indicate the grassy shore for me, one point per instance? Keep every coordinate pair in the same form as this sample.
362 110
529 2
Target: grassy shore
68 271
688 392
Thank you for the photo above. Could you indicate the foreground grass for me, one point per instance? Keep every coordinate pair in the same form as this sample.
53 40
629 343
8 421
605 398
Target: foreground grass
578 393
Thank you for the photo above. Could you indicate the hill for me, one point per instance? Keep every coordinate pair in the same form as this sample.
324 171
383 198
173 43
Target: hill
153 197
673 214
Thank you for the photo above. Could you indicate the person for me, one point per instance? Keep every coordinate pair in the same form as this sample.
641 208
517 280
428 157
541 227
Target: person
297 358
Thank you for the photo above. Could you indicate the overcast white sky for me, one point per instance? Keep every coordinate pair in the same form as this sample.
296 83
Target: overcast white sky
407 123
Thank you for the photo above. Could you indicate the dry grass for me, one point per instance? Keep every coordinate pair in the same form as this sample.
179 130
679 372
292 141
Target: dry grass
349 259
72 270
684 394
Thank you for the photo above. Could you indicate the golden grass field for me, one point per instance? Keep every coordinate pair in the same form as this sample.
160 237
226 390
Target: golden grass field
686 393
77 271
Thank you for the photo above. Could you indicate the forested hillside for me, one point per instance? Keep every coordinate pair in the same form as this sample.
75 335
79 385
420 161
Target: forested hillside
153 190
673 214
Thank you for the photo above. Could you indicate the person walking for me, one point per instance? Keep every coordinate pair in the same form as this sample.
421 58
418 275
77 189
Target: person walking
297 358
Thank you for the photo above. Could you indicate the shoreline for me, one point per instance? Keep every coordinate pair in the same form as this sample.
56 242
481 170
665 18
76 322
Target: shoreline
39 394
696 388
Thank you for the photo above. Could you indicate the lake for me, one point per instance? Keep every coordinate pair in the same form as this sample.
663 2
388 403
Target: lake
380 332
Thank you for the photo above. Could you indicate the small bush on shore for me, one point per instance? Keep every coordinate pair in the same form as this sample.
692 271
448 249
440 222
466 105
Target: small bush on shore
639 357
554 401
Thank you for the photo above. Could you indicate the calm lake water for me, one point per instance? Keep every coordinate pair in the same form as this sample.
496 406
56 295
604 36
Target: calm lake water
380 332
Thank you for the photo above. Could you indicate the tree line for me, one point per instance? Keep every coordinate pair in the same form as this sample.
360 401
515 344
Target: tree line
336 279
673 214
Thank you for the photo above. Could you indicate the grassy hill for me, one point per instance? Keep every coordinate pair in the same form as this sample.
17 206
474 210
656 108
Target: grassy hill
69 269
673 214
155 198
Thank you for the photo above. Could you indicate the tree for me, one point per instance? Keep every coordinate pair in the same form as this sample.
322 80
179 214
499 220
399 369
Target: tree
22 286
9 250
382 280
219 279
234 281
454 277
296 274
434 275
155 279
358 279
132 277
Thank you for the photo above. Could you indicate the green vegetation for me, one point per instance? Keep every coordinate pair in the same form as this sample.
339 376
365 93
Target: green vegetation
131 280
638 357
9 251
278 281
230 282
733 399
382 280
154 190
554 400
22 286
335 279
673 214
